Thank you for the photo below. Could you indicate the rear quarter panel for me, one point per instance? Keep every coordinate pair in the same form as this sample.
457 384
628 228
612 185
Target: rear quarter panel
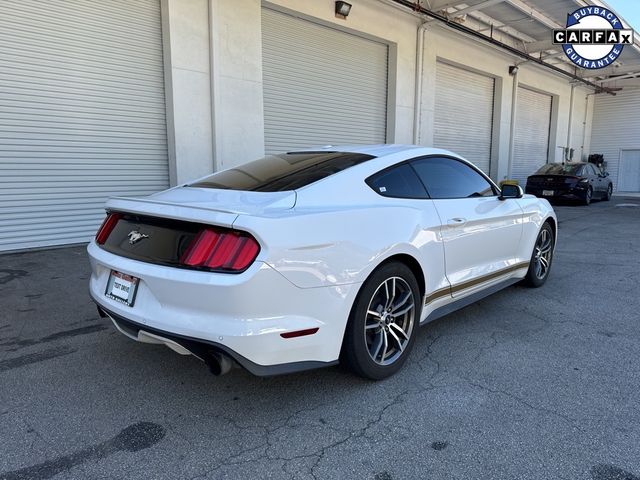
315 248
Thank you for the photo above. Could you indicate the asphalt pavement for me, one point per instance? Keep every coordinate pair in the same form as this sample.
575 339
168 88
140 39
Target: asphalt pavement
526 384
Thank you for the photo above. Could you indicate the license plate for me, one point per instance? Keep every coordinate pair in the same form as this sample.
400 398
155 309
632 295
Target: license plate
122 287
547 193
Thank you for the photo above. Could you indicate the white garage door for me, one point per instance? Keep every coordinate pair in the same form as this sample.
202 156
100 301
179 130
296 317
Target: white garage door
82 114
531 140
463 120
629 171
321 85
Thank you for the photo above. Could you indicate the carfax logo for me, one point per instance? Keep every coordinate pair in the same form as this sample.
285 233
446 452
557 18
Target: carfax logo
594 37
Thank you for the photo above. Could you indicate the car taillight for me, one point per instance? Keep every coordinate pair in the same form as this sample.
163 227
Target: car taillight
107 227
221 250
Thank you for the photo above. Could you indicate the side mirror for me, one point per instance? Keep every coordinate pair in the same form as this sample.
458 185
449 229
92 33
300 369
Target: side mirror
510 191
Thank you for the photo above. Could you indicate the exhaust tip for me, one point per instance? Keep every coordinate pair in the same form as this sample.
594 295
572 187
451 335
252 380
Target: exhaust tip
218 363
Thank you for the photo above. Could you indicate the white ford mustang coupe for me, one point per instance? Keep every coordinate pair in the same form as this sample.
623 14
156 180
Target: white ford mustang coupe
300 260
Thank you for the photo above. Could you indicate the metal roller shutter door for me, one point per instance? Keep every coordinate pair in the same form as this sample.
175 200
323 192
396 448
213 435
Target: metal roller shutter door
615 126
629 179
531 140
82 115
463 114
321 85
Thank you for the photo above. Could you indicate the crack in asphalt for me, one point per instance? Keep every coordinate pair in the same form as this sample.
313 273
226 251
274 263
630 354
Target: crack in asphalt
570 421
267 445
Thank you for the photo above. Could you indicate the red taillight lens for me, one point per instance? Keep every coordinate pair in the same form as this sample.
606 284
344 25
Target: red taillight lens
221 250
107 227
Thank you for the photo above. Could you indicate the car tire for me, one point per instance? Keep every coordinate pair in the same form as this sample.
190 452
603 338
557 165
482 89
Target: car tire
541 257
588 196
607 196
376 345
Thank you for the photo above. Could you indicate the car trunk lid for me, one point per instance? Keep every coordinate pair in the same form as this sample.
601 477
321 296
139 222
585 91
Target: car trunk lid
204 205
552 180
170 227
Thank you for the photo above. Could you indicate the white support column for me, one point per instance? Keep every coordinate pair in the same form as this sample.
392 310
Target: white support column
236 46
502 124
185 31
428 87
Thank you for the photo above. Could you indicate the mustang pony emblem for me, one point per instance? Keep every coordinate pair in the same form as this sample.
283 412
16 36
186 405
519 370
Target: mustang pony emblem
135 236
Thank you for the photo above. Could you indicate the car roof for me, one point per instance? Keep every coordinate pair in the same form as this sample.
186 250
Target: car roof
569 163
351 182
378 150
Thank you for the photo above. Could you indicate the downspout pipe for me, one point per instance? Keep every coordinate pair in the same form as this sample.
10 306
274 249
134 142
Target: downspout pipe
417 98
584 125
570 128
416 7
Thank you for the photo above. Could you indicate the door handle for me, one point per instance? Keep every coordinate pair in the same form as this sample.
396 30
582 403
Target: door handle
458 221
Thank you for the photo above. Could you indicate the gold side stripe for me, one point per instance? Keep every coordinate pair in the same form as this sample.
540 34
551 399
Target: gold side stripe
472 283
437 294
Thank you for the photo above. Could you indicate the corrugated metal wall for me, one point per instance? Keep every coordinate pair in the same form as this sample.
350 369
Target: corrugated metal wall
82 114
321 85
531 139
464 114
615 127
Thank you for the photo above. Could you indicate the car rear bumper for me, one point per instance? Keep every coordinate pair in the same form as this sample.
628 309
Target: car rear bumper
203 348
558 193
242 315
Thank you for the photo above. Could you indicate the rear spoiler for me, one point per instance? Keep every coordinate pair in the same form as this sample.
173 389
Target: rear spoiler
157 208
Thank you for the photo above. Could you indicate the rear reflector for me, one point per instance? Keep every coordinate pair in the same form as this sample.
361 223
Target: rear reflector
221 250
299 333
107 227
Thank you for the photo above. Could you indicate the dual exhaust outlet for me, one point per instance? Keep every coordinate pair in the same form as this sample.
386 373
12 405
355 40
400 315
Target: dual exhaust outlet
219 363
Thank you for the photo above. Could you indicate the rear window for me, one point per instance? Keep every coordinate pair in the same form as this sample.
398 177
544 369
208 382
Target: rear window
399 182
559 169
287 171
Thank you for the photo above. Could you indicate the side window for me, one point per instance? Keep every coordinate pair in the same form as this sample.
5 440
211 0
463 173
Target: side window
399 182
449 178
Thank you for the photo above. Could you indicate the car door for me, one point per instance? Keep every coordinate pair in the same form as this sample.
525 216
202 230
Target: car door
480 232
600 179
589 173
